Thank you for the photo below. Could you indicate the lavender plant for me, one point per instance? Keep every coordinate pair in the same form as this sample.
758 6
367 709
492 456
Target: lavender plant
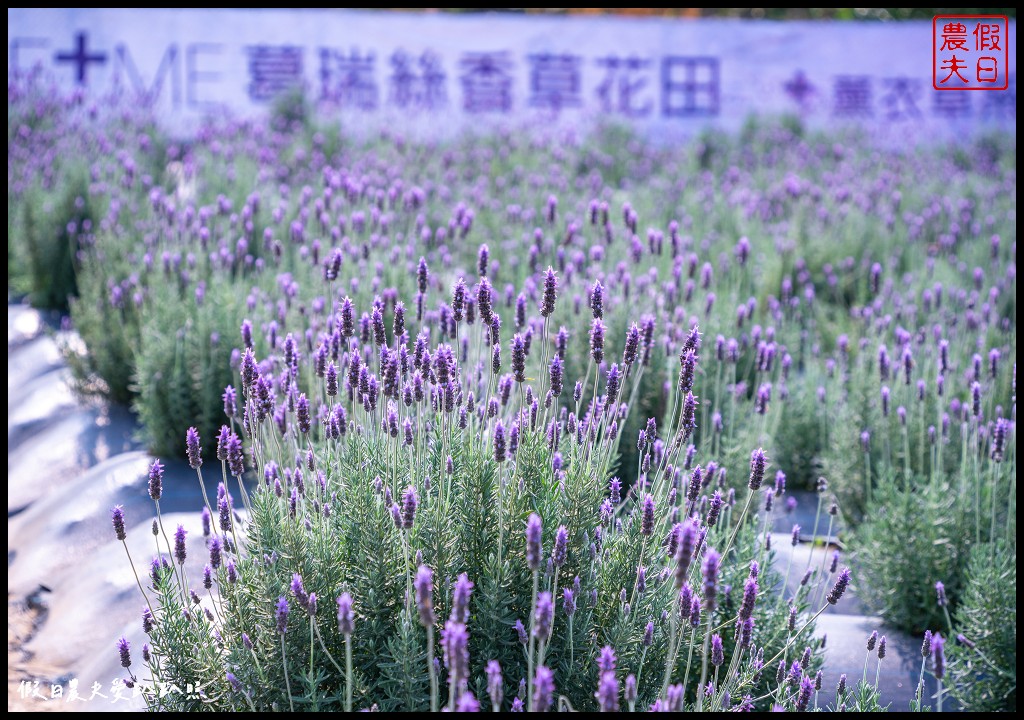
422 346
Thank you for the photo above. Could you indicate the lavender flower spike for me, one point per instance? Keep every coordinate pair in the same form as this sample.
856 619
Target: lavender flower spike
193 448
938 656
757 467
424 585
558 552
346 618
494 684
123 647
712 563
534 531
409 503
547 306
543 689
460 598
281 613
117 516
156 480
179 545
717 651
840 587
608 692
647 519
543 617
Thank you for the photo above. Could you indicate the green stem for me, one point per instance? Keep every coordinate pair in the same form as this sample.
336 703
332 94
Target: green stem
704 667
430 667
287 682
529 654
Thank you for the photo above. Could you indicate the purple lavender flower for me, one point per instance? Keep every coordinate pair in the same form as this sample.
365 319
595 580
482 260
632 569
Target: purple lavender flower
674 697
596 300
409 503
684 554
629 692
608 692
235 455
348 323
543 616
712 562
804 697
758 462
749 599
559 550
302 414
230 398
117 517
331 377
717 651
606 660
455 642
687 369
547 305
346 617
647 520
422 275
805 659
613 384
215 552
999 435
484 300
555 372
179 545
881 647
926 646
147 620
223 508
499 441
840 587
156 480
543 689
597 340
193 448
938 656
534 531
495 684
940 592
249 370
460 598
123 647
521 633
299 591
688 420
518 358
746 632
424 585
281 613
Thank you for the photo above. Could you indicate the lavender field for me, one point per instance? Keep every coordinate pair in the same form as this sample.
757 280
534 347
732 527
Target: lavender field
529 420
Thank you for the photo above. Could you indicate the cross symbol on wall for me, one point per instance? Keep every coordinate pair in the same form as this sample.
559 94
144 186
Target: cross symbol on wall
798 88
80 57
